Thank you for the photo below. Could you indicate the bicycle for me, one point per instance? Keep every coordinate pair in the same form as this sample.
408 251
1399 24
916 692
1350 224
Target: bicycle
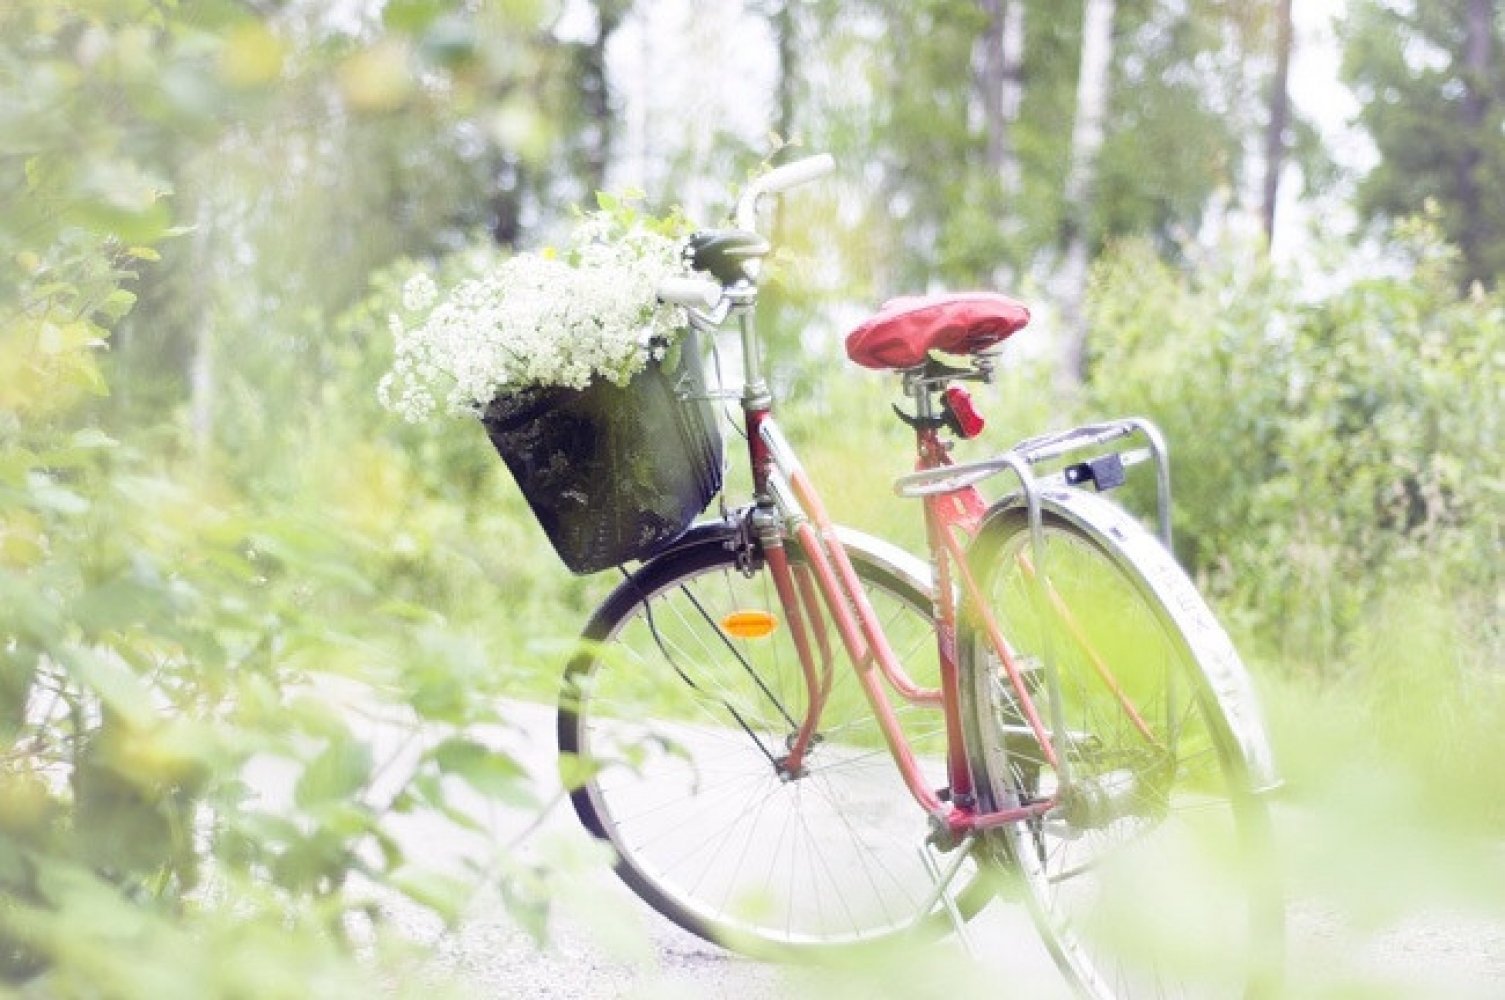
1072 723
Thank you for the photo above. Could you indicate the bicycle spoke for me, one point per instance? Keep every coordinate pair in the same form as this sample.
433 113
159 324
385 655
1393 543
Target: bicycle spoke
1135 874
707 829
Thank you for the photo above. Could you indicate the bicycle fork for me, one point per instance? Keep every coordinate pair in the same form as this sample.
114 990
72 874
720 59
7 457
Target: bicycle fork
798 599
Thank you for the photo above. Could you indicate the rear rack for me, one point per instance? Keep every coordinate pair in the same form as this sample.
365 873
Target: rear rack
1103 470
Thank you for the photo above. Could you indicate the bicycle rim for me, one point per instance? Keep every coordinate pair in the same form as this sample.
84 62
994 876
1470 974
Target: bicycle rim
1152 877
676 722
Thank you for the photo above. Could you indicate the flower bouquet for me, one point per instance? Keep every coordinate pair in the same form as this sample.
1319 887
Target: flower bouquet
588 387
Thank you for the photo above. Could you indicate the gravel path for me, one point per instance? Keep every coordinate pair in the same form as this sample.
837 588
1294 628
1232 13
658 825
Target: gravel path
604 943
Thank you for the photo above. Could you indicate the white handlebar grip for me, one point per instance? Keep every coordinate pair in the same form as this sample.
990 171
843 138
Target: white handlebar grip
782 179
797 173
692 293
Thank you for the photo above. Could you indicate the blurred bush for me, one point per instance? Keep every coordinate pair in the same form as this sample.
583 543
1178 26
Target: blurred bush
165 638
201 577
1340 493
1327 451
217 699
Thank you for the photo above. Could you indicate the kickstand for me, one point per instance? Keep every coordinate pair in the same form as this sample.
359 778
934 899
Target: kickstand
942 892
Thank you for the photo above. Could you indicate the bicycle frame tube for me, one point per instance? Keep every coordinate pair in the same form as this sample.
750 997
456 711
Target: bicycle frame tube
835 571
819 688
960 511
779 480
856 623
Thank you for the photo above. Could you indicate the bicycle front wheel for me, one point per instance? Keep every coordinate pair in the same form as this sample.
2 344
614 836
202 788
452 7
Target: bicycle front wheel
1151 874
686 694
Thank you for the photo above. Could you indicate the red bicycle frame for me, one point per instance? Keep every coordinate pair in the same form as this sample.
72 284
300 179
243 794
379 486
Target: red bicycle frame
830 585
833 587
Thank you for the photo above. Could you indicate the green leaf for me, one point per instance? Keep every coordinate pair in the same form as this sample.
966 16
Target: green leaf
340 772
252 55
346 820
122 602
117 304
313 861
428 792
490 772
575 771
15 463
444 894
87 375
391 851
136 226
65 458
450 41
114 683
317 718
264 828
412 16
526 897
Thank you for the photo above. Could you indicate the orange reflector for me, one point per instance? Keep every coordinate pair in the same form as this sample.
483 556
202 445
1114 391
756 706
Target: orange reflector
750 624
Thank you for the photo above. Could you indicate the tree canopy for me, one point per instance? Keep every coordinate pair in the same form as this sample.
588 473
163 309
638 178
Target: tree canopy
1431 82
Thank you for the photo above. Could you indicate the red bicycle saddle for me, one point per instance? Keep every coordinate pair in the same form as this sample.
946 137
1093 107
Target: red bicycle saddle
906 329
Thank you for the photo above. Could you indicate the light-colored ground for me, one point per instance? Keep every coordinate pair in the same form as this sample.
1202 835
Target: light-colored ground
602 942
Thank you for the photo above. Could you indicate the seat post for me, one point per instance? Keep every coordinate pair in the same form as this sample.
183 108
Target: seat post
920 389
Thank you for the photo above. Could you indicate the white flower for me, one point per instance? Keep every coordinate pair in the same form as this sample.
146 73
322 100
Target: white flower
535 320
419 293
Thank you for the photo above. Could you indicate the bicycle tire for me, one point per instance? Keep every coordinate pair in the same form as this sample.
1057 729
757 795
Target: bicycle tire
718 857
1156 878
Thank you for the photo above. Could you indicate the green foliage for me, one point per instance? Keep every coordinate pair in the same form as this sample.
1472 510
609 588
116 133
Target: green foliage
181 638
159 643
301 592
1178 116
1328 453
1435 118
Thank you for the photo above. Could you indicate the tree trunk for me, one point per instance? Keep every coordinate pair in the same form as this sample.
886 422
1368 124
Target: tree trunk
1013 90
987 81
201 367
1280 115
595 93
1081 182
998 80
1477 58
786 38
786 43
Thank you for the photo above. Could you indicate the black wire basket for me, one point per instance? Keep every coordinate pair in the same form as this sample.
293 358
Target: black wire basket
614 473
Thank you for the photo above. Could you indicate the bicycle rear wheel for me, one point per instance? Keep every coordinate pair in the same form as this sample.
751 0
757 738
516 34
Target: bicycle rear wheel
675 723
1152 875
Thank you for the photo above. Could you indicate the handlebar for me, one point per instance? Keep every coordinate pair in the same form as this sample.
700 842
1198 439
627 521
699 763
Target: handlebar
778 180
691 293
706 296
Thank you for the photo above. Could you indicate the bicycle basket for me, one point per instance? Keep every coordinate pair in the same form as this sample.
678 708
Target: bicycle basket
613 473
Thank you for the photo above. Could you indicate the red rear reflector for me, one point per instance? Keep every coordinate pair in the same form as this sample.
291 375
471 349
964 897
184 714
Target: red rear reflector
965 420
